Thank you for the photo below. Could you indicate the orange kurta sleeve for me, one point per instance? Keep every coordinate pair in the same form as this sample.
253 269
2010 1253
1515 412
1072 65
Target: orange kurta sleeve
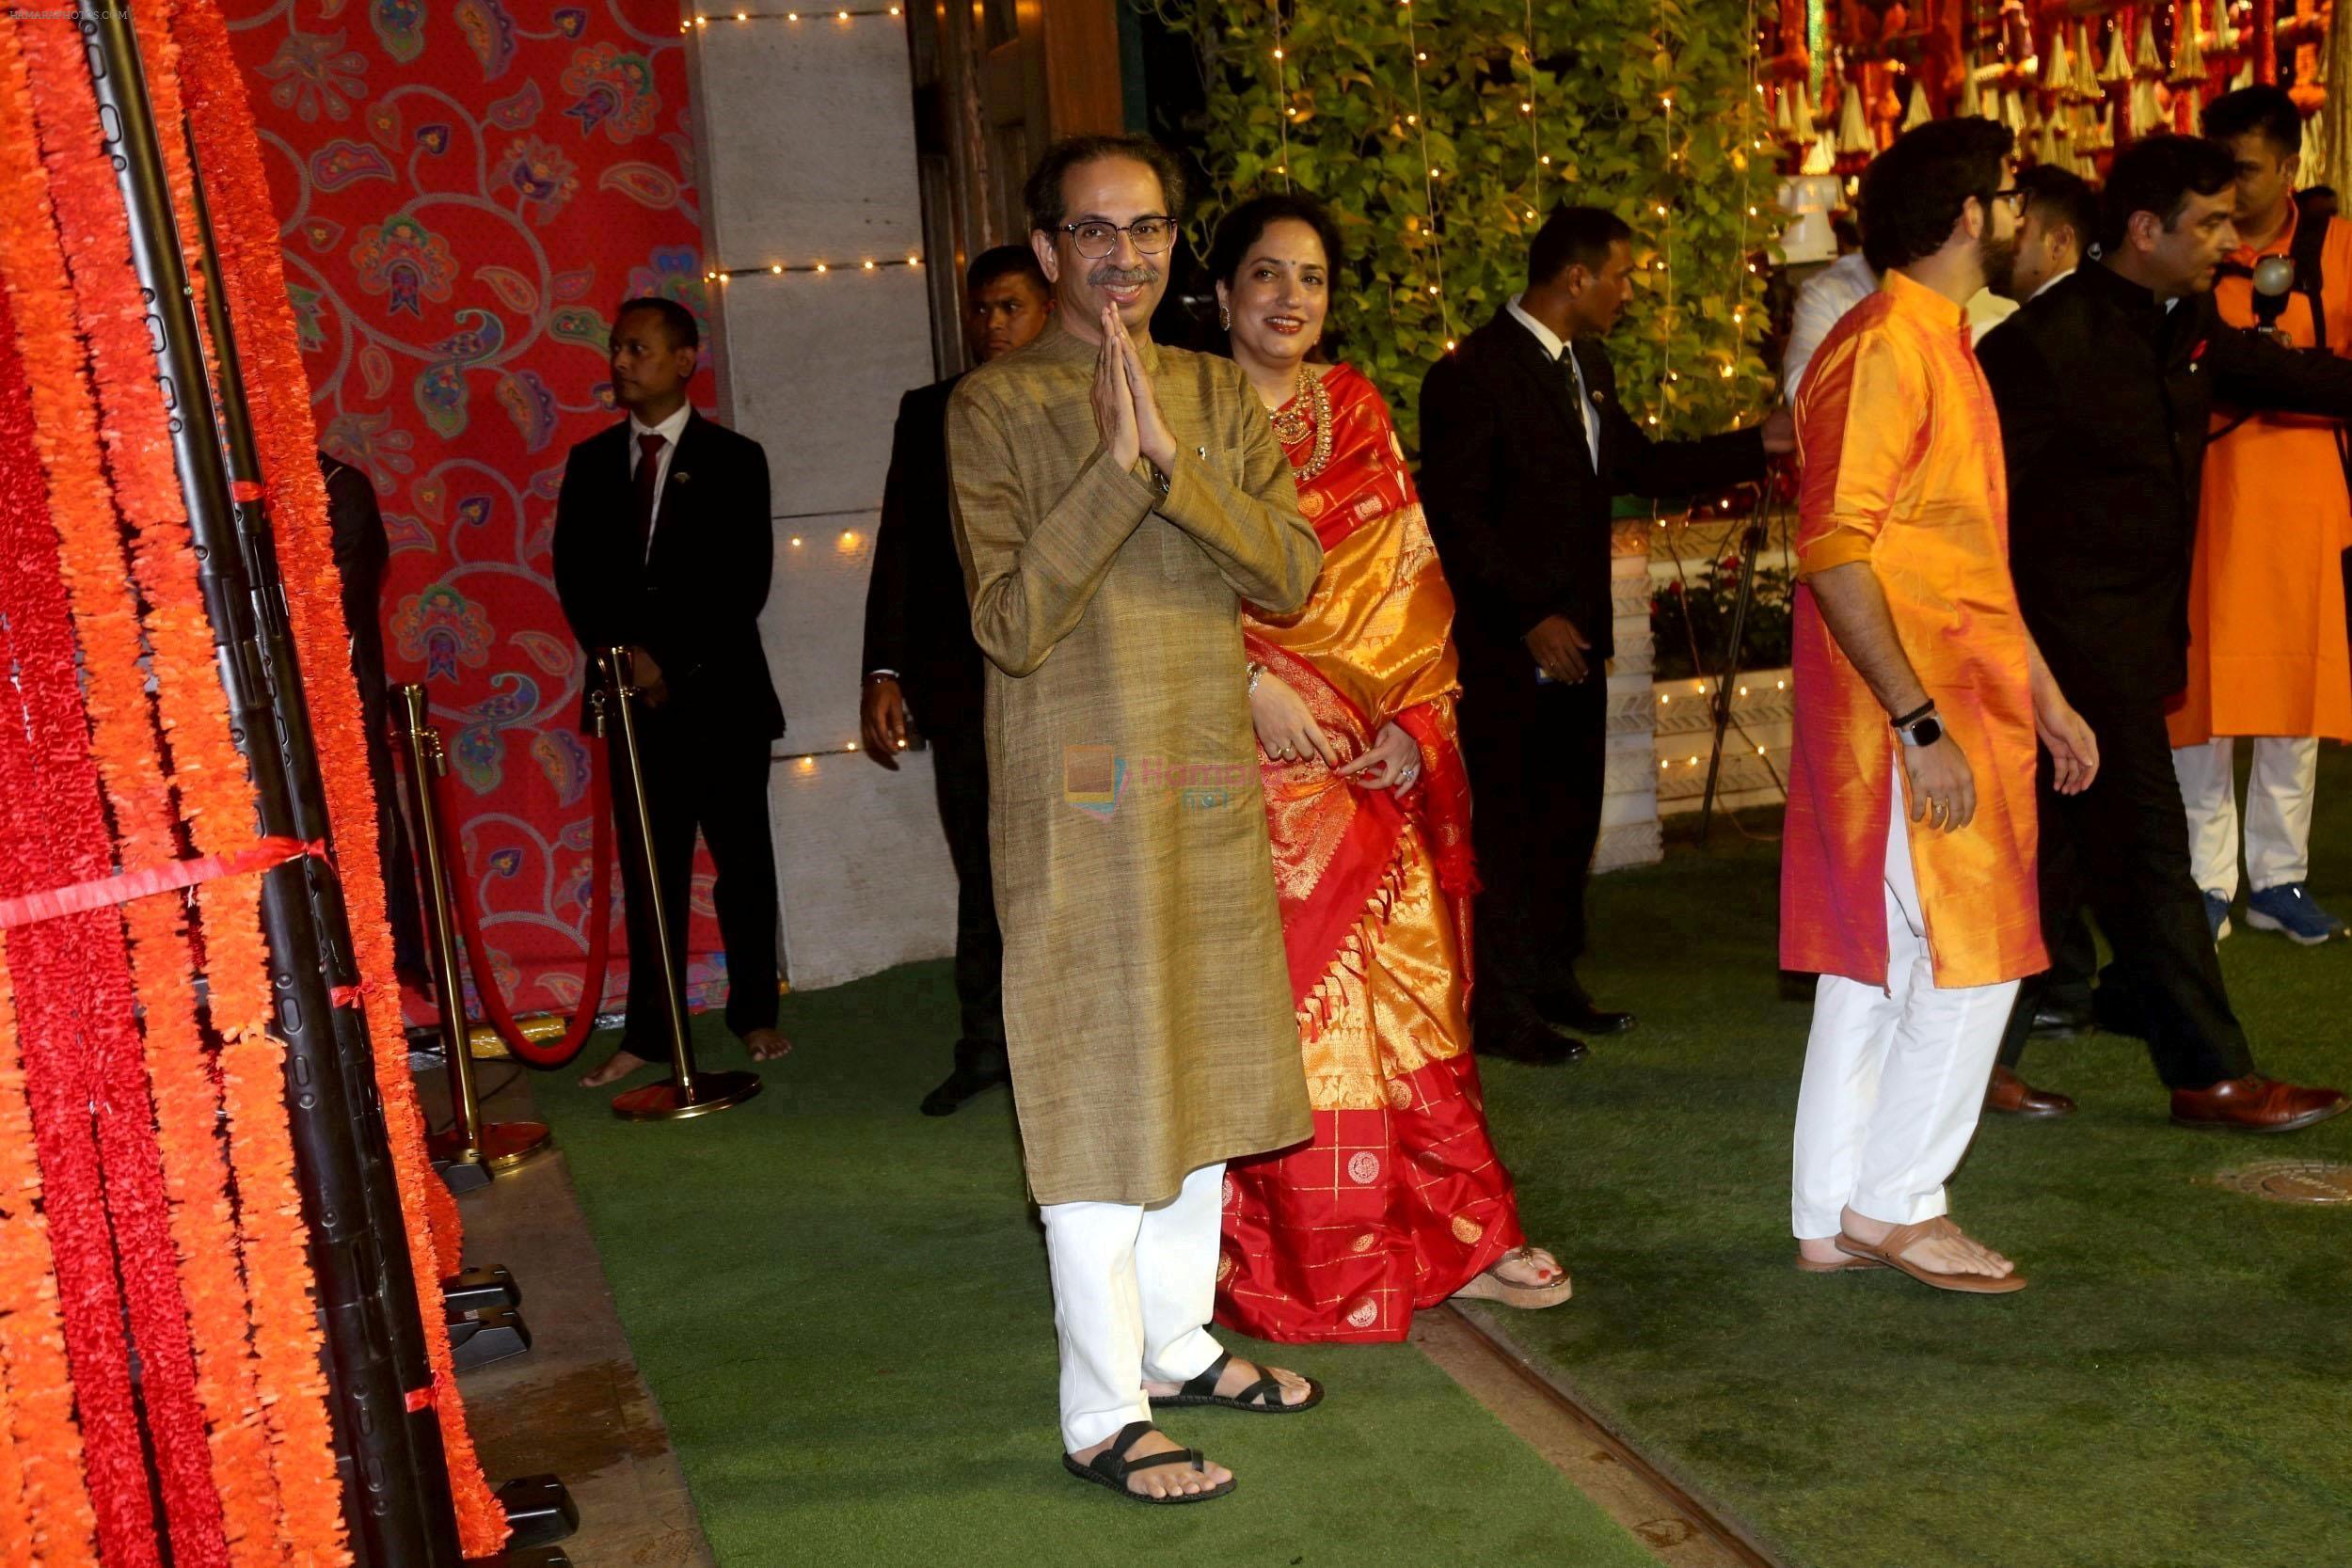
1858 428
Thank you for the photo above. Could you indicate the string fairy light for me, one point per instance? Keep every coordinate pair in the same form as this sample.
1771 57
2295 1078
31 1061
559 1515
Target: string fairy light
1282 92
1741 272
1666 251
1527 104
791 18
1666 230
776 269
1429 176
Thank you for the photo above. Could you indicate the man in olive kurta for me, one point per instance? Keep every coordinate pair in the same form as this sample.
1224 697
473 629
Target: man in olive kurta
1116 505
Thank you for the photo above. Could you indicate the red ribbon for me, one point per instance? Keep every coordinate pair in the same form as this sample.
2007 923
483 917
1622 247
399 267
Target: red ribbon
103 892
418 1399
245 490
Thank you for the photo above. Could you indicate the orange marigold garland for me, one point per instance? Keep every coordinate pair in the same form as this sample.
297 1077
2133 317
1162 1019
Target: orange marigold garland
39 1433
123 742
277 392
16 1513
307 1526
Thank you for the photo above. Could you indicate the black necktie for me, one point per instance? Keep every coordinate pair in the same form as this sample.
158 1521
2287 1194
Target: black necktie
648 487
1576 396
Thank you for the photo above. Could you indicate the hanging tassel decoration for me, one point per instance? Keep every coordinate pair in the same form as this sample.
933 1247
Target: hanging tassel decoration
2189 70
2051 149
2119 66
2086 89
2058 64
1919 113
1853 123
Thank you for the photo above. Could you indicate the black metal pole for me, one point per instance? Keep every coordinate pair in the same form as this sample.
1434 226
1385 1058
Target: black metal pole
395 1494
1751 545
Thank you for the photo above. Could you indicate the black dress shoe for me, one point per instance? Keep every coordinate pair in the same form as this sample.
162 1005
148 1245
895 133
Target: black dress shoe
1525 1040
2063 1021
978 1067
1578 1015
1583 1019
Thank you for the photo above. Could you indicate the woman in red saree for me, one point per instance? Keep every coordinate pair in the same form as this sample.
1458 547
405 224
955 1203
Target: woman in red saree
1400 1201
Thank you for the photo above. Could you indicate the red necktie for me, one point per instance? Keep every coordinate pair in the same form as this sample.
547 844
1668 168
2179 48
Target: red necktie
648 487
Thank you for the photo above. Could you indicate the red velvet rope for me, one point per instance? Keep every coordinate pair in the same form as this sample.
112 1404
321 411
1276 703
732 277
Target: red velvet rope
599 927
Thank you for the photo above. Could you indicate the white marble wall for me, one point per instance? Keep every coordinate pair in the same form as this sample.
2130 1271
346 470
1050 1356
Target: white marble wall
808 141
1628 816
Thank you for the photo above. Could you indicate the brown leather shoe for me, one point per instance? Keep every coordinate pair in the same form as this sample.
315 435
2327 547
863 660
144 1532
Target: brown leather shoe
2011 1096
2254 1104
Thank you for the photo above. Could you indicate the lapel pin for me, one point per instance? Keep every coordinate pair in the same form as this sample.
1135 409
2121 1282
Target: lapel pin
680 478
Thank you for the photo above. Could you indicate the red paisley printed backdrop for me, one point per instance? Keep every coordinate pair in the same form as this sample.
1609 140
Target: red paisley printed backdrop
465 193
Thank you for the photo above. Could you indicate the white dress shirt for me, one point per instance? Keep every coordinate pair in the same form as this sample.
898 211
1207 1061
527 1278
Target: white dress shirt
1824 300
669 430
1828 294
1987 310
2051 284
1558 350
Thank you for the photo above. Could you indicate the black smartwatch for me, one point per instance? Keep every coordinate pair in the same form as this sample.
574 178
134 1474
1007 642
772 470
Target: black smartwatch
1920 726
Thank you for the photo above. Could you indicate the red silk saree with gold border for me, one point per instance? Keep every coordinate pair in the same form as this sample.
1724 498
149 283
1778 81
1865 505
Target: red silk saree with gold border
1399 1200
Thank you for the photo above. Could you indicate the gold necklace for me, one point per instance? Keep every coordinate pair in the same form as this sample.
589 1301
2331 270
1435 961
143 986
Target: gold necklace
1294 424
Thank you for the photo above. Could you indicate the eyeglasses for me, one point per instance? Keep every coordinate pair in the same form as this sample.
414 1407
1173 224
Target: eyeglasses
2015 195
1096 239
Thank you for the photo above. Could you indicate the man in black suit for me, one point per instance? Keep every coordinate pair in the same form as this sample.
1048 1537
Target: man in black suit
1524 446
364 551
663 545
922 667
2106 386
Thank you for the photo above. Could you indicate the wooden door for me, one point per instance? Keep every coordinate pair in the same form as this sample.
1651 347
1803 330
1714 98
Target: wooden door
995 81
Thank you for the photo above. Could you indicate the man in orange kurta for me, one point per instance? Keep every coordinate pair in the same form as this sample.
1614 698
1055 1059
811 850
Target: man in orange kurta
2266 651
1909 645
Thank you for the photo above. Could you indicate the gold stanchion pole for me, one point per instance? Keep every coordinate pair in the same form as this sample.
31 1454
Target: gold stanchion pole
501 1146
687 1092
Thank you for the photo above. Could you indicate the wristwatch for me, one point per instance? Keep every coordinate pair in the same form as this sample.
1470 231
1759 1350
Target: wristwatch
1919 727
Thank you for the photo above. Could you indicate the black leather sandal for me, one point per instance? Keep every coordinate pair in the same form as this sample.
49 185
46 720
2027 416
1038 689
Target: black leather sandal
1262 1398
1111 1468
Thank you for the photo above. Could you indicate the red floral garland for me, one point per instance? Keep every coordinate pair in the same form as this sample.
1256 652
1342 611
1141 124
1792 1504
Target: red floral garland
37 1424
278 391
100 1164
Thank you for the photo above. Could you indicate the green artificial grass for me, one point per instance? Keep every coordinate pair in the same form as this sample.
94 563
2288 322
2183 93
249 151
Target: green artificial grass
2168 1391
841 1306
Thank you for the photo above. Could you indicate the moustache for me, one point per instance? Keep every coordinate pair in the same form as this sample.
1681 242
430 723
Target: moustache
1123 276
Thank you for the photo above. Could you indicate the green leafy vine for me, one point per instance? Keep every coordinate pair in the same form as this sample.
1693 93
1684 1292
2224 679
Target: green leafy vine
1390 142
